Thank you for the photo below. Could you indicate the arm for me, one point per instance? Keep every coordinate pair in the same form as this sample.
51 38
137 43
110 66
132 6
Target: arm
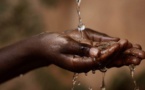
19 58
63 50
42 50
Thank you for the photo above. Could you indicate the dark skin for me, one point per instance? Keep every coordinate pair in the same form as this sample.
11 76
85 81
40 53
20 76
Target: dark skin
66 51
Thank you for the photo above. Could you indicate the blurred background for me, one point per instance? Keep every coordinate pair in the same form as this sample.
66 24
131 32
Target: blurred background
21 19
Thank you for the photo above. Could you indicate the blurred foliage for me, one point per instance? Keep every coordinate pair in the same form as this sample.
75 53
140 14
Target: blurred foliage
123 81
48 81
141 81
50 3
20 20
17 21
3 4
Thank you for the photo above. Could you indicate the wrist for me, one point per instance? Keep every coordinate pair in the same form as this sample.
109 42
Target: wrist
39 47
20 58
33 50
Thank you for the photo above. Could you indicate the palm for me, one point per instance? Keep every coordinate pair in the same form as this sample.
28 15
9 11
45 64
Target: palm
68 52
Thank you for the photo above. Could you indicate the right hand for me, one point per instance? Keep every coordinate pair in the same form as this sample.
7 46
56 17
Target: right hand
124 54
66 51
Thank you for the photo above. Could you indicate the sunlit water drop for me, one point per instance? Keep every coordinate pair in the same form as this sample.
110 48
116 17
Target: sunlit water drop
104 70
132 70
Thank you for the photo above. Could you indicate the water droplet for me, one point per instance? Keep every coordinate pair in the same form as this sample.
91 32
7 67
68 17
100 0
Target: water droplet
90 88
93 71
103 88
21 75
79 83
81 27
103 69
78 2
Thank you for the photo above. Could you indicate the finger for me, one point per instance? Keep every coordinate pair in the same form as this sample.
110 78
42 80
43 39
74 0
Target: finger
129 45
123 44
98 36
78 64
116 63
135 52
137 46
109 52
125 60
132 60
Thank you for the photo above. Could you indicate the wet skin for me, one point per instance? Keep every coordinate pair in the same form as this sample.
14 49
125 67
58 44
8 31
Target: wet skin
66 50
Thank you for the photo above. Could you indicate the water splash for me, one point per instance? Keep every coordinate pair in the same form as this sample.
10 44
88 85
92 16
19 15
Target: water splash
132 70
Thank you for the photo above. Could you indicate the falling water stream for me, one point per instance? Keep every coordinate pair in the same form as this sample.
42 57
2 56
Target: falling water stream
103 86
81 26
75 81
132 70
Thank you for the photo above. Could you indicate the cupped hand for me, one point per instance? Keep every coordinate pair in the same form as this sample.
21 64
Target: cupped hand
66 51
126 53
88 50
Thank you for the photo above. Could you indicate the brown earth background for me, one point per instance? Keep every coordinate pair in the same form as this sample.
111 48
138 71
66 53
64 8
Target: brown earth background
21 19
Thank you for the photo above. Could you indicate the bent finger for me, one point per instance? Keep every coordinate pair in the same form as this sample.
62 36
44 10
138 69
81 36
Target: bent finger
136 52
137 46
109 52
132 60
79 64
